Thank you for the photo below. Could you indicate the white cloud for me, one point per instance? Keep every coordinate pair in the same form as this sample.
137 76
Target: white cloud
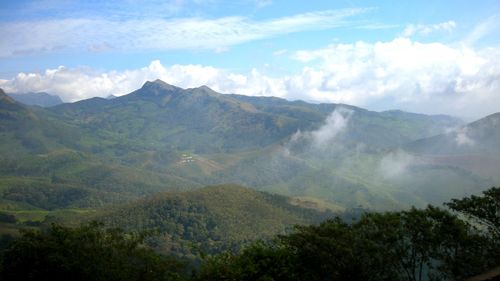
426 29
157 33
81 83
322 138
403 74
421 77
335 123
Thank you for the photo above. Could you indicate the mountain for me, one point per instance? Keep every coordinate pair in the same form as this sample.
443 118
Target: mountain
211 219
203 121
26 130
47 165
479 137
162 137
199 119
461 161
40 99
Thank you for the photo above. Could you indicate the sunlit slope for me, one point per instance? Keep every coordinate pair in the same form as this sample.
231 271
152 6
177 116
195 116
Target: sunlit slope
214 217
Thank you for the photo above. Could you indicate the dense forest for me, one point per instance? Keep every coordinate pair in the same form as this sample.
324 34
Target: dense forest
434 243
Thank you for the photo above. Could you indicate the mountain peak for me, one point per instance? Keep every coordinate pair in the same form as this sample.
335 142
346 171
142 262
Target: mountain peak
4 98
205 89
159 84
156 88
8 103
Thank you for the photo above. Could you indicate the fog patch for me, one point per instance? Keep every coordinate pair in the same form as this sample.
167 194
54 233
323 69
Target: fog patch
462 138
325 135
396 163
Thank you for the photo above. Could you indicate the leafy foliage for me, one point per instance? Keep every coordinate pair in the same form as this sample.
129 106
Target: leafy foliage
88 252
483 209
211 219
417 244
429 244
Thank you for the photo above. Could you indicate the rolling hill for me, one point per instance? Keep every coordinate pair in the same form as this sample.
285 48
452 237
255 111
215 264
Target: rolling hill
211 219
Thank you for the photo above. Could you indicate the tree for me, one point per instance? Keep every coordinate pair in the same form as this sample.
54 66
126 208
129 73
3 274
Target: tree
484 210
260 261
483 213
417 244
89 252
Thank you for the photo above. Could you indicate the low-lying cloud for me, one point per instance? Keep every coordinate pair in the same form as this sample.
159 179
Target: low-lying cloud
461 136
396 164
323 138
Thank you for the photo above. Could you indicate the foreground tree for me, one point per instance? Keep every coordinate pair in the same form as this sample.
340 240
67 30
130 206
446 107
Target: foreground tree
89 252
483 213
484 210
428 244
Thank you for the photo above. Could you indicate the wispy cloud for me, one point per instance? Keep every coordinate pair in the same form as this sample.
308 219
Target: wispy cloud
280 52
483 29
263 3
426 29
157 33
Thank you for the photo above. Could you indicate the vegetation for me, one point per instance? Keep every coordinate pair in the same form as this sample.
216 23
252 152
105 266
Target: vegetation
417 244
428 244
211 219
99 152
88 252
483 210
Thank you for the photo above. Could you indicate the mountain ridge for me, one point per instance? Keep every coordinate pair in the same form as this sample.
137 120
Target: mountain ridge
196 137
37 99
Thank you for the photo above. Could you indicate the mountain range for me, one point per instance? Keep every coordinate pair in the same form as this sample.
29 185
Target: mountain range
96 153
39 99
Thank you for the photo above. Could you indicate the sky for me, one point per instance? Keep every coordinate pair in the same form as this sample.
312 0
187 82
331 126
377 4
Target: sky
432 57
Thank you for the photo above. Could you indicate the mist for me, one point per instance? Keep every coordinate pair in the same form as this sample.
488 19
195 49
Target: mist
325 136
395 164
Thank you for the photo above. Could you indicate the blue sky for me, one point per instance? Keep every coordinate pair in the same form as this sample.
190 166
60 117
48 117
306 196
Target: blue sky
422 56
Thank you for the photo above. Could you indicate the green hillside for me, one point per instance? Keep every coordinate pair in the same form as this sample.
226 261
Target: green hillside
161 137
212 219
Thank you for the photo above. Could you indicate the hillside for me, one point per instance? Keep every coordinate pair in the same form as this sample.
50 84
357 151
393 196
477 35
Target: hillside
161 137
28 131
479 137
203 121
38 99
461 161
158 116
211 219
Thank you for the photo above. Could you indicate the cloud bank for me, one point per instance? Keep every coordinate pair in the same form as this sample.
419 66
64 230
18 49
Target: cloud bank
401 73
